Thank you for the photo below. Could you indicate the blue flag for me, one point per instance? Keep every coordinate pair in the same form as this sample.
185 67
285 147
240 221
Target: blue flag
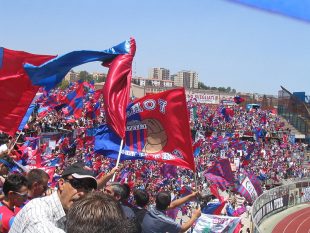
51 73
299 9
26 117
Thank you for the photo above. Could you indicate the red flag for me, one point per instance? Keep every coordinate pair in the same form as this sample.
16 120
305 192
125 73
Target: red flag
116 90
16 89
157 129
215 192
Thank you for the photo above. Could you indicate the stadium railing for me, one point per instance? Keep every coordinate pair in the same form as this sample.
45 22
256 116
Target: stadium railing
278 199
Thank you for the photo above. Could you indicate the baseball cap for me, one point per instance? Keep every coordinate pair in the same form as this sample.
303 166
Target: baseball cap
78 171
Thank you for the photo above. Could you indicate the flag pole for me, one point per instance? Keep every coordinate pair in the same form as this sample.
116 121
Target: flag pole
13 142
196 187
118 158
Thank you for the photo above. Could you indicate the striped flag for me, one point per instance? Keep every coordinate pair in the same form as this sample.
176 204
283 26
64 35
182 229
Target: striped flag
250 188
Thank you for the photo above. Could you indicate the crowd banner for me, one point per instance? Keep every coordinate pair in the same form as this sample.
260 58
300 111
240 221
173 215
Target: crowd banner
216 224
203 98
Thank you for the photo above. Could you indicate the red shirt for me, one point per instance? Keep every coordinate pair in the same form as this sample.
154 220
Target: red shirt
6 217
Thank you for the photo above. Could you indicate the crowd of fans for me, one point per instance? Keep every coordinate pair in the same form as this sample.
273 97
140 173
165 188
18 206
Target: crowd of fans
253 140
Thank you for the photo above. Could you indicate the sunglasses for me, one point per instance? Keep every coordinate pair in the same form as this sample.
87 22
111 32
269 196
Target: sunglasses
80 184
23 195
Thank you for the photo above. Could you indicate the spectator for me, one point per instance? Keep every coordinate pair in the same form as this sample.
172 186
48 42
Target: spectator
120 193
15 193
156 221
6 163
48 214
141 199
37 183
98 213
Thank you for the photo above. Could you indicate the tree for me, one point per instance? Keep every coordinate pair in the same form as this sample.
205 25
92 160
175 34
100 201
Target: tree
85 76
201 85
64 84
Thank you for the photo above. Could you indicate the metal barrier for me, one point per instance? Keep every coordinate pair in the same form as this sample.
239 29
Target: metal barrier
278 199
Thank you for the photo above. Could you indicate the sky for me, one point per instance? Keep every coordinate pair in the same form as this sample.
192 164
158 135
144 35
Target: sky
227 44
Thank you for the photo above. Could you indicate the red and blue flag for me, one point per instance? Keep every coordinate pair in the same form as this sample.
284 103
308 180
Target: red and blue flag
157 129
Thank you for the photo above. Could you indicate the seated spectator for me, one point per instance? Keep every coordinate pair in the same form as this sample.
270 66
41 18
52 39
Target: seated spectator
100 213
119 192
15 193
48 214
156 221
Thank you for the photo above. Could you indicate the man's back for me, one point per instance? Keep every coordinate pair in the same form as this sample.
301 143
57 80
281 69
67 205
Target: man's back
156 221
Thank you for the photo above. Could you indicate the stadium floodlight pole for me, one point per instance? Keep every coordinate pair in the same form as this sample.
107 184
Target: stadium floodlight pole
118 158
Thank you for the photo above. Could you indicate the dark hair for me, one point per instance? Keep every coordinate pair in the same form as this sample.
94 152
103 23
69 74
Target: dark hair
36 175
141 197
95 213
127 190
163 200
14 183
119 190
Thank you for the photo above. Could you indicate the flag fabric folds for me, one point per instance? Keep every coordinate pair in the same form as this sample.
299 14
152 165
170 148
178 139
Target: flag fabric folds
157 129
116 90
21 75
213 208
218 181
297 9
250 188
51 73
222 168
16 89
74 101
26 117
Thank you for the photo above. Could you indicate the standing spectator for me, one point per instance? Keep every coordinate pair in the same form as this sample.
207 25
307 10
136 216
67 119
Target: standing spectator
119 192
98 212
15 193
48 214
5 164
141 198
156 221
37 183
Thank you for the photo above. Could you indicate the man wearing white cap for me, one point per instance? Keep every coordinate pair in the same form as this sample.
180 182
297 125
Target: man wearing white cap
48 214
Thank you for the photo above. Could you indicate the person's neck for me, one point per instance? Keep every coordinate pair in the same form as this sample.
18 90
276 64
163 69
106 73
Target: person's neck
61 201
8 204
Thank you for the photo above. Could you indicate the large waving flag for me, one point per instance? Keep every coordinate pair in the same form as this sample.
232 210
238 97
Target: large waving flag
116 90
74 101
16 88
222 168
299 9
51 73
250 188
19 82
157 129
